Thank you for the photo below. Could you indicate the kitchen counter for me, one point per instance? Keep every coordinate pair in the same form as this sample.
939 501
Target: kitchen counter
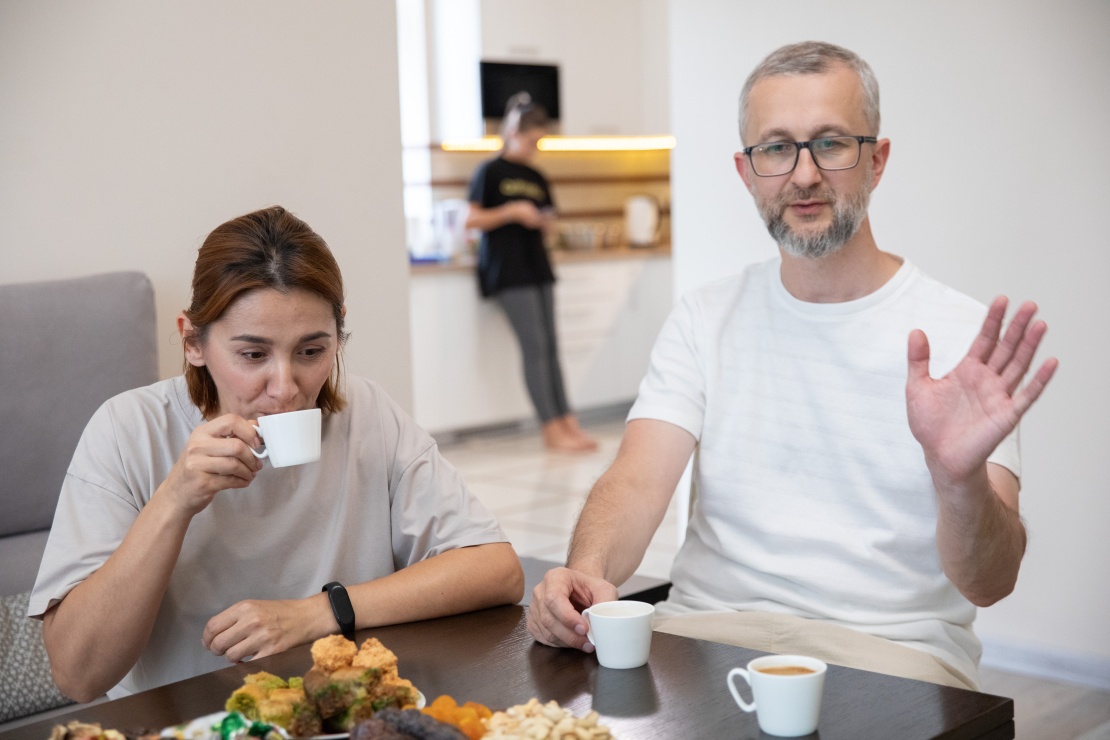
609 305
466 262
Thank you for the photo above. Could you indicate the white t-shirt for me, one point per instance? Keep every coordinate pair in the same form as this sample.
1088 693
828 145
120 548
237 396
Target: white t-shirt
812 496
380 498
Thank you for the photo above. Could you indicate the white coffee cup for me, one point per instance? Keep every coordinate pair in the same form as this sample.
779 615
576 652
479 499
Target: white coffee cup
292 438
621 632
785 704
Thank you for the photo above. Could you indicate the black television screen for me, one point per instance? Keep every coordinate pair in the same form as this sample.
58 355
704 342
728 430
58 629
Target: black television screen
501 80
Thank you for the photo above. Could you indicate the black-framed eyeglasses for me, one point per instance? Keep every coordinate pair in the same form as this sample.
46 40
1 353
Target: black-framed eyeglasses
829 153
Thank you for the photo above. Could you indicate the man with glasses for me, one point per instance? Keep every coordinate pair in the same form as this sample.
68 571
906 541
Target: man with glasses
854 500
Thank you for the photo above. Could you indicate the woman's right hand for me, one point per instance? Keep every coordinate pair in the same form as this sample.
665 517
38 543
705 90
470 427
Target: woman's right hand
217 457
99 630
527 214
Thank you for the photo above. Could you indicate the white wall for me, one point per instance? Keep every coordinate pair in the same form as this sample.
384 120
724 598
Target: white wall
612 58
998 183
130 129
454 50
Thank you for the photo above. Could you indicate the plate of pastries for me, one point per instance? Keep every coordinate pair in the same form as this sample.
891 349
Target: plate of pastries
355 691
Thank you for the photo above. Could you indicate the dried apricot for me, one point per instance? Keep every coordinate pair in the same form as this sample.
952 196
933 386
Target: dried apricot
468 717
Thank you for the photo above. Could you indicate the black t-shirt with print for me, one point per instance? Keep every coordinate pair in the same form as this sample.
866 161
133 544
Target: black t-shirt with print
511 255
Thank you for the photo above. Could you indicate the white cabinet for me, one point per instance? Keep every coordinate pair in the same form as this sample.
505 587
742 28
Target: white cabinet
466 362
608 315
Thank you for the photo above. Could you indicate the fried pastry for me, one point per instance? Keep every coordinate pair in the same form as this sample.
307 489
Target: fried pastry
332 652
373 654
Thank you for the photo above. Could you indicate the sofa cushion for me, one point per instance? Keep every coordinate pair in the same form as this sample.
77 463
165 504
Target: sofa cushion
24 667
21 555
68 346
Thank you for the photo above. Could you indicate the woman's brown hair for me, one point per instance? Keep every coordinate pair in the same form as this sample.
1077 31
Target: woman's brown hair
270 248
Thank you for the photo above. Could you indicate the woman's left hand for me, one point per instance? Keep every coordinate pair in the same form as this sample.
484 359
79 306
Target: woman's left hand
256 628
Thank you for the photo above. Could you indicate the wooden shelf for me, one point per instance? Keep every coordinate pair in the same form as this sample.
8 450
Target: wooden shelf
558 180
467 262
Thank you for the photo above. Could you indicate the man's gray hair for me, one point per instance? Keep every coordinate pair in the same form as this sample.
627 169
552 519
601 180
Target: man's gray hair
809 58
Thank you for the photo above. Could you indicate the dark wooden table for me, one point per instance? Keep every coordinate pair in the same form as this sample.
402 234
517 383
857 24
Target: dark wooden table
489 657
636 588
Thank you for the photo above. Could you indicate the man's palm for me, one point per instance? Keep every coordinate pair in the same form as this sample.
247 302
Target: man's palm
961 418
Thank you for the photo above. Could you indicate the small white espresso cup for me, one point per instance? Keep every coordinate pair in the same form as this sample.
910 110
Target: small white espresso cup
621 632
292 438
786 692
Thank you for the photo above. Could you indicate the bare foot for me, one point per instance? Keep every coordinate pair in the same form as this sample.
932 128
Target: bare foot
572 423
559 437
588 443
565 435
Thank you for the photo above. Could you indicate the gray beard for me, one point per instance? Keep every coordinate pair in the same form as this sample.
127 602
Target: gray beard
848 215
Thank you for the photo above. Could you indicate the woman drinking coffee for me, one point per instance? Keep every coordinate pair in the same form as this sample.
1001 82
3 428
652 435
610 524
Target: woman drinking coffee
175 549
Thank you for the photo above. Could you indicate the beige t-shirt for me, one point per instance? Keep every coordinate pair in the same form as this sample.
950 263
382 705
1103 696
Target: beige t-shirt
380 498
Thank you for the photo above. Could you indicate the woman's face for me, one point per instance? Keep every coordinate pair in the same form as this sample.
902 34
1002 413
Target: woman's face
270 352
523 143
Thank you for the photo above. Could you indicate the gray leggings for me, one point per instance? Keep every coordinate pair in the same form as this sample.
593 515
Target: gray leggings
531 311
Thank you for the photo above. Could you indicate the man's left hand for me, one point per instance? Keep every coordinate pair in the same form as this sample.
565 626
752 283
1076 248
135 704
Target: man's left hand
961 418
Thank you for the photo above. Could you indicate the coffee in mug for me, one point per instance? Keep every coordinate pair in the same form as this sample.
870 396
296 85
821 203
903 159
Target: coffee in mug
786 692
786 670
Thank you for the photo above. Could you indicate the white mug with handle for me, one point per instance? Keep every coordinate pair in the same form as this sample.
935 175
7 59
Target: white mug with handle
291 438
786 693
620 632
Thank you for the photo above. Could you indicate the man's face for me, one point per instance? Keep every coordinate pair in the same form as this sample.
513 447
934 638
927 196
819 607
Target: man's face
811 212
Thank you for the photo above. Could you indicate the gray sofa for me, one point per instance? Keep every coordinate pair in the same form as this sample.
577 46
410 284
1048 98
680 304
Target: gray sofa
66 346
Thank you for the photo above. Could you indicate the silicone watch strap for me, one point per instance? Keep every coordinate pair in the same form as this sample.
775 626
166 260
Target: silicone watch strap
341 608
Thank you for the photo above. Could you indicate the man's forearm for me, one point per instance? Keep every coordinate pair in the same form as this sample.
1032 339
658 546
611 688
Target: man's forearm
630 500
612 533
981 539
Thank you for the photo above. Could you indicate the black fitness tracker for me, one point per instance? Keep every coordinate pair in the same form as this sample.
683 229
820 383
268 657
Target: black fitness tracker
341 607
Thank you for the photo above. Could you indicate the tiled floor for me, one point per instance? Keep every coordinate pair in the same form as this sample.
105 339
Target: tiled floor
537 496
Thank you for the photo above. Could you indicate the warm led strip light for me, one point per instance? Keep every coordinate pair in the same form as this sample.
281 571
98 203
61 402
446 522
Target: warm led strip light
605 143
484 144
569 144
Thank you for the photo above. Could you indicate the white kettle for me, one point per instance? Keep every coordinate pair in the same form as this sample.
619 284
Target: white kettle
641 221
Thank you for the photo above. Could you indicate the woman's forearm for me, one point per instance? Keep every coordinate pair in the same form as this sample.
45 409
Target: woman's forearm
515 211
98 631
457 581
487 219
453 582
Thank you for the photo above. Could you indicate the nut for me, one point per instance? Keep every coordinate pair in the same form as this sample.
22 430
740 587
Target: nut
535 721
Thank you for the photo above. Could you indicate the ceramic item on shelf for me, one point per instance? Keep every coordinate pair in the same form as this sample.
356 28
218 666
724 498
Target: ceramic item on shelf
641 221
